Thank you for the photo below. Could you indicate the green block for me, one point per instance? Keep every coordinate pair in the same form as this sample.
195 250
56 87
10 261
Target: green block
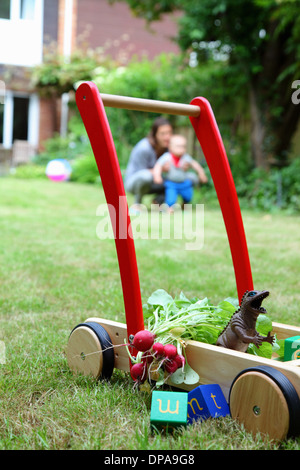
292 348
168 409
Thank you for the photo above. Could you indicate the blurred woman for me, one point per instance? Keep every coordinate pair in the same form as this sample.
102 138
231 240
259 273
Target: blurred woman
139 172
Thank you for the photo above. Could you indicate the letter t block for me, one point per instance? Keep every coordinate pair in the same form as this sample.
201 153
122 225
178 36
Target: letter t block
206 401
168 409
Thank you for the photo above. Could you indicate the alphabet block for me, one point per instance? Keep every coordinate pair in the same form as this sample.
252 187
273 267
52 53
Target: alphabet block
168 409
292 348
206 401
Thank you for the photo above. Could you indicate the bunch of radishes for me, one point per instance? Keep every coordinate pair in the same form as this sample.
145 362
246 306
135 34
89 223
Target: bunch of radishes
153 356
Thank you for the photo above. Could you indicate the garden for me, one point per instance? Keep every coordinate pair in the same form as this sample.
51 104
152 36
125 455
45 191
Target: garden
56 273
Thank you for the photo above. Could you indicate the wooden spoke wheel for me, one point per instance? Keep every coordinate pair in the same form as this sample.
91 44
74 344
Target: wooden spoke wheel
90 351
265 401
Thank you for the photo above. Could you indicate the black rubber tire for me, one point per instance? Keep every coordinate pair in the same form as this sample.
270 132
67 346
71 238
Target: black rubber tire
290 394
108 351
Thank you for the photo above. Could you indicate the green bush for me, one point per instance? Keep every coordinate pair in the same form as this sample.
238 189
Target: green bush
167 78
268 191
56 147
84 170
272 190
29 171
291 185
69 148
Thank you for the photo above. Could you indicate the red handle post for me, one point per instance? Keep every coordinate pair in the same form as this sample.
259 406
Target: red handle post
209 137
93 114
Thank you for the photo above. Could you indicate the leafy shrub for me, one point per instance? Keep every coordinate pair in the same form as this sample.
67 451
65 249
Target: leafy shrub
29 171
291 185
163 79
84 170
56 147
261 190
167 78
274 189
73 146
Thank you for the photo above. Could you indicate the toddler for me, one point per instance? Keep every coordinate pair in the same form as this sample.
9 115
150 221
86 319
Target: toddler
176 180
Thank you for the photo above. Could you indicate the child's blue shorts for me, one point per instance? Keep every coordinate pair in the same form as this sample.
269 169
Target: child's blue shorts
173 190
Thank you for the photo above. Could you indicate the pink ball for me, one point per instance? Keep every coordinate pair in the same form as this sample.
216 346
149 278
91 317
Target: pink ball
58 170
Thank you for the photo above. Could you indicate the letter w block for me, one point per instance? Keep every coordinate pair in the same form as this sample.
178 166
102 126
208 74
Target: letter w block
168 409
206 401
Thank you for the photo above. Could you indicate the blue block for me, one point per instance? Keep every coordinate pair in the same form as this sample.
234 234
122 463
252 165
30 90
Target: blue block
206 401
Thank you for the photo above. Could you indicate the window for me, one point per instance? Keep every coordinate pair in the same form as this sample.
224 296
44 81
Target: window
20 120
5 9
2 100
17 9
27 9
21 35
1 122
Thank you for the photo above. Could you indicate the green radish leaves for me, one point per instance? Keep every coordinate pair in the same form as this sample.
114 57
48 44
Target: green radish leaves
186 375
174 321
197 319
160 298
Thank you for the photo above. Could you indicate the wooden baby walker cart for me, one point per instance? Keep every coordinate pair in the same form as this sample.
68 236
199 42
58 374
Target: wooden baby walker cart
263 394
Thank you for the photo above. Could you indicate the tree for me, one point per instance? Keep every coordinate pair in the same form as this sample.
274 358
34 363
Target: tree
261 42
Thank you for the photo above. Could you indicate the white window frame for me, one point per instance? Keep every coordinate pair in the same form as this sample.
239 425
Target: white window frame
35 6
33 118
15 11
23 38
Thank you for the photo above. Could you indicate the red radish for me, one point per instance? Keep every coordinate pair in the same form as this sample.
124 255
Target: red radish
180 360
138 371
170 351
147 357
143 340
158 349
171 366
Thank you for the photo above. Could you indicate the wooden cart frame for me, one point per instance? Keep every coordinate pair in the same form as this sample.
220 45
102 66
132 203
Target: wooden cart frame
262 393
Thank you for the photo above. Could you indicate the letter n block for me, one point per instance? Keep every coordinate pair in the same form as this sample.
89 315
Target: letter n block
168 409
292 348
206 401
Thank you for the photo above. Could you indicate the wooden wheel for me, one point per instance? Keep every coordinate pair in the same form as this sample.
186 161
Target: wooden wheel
265 401
90 351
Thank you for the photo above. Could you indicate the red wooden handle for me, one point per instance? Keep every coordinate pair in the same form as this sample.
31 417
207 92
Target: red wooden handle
94 117
211 142
93 114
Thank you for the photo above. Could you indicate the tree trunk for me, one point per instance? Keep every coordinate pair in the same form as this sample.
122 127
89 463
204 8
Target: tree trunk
273 114
258 132
286 129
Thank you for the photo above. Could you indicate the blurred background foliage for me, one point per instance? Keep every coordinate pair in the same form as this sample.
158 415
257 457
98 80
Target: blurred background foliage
242 55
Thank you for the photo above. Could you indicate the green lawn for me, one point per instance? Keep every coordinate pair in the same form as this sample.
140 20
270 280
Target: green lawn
55 272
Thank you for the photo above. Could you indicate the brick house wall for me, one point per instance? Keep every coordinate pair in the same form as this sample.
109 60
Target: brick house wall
50 33
120 34
68 24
